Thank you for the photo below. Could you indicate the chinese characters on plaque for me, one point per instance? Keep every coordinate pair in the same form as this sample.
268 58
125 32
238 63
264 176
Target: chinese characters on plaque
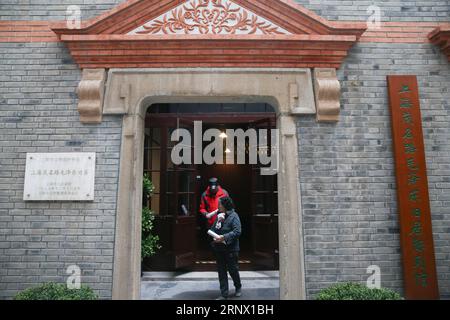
419 269
59 177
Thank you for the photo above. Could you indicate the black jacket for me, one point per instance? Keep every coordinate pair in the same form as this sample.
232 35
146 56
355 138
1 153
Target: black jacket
231 230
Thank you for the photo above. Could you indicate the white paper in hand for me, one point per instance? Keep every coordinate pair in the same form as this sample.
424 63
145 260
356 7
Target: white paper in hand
214 235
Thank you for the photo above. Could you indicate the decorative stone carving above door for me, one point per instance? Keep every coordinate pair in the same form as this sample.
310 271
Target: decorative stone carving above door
209 17
210 33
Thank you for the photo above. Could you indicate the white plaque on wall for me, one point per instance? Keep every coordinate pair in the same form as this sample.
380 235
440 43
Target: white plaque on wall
59 177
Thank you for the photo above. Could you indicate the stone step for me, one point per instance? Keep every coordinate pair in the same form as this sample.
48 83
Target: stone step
189 276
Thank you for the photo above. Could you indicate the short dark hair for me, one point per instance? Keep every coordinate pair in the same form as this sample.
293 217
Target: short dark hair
227 203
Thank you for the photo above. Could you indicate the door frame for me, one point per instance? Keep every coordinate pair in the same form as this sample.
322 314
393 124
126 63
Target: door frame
130 92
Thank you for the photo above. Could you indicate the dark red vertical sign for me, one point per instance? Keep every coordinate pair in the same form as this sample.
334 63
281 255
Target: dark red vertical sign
419 267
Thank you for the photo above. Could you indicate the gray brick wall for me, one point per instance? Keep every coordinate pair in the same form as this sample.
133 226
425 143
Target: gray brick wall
392 10
52 10
38 241
347 169
347 176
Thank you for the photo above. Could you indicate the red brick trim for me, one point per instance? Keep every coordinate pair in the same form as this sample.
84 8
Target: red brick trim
390 32
400 32
26 31
314 42
124 51
121 19
441 37
298 20
286 13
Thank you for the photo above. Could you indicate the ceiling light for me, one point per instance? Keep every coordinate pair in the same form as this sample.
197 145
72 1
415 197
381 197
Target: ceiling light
223 135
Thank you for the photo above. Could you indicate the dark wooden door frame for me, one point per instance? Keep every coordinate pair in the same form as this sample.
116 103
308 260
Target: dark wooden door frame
178 254
222 118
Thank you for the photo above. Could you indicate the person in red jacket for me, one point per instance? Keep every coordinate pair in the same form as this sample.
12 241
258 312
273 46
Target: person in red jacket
209 203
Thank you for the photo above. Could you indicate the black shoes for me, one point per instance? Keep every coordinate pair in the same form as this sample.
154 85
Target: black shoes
237 294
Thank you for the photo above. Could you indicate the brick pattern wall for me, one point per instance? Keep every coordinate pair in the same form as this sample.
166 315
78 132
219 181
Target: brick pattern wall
347 175
347 169
38 241
52 10
392 10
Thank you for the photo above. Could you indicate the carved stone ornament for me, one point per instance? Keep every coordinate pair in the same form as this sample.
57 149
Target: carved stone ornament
327 91
209 17
90 94
209 34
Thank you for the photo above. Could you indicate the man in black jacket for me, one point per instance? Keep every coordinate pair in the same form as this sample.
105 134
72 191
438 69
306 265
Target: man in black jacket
226 246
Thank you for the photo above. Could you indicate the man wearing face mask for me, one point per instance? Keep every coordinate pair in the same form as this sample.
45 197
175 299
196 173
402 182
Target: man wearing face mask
209 203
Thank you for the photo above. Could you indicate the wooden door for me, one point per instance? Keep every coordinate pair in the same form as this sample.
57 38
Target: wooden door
264 203
185 201
174 200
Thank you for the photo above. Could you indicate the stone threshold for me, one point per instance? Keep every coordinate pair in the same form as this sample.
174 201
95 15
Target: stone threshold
190 276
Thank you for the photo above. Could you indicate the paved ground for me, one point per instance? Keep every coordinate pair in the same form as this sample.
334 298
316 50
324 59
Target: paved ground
205 286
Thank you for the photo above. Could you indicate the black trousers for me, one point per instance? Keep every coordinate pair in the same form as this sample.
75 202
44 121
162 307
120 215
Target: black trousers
228 262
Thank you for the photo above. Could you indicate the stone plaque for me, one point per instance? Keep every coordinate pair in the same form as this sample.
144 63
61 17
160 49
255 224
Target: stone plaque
59 177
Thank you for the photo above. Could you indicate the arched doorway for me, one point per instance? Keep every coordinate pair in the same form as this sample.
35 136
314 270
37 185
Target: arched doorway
175 202
130 92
